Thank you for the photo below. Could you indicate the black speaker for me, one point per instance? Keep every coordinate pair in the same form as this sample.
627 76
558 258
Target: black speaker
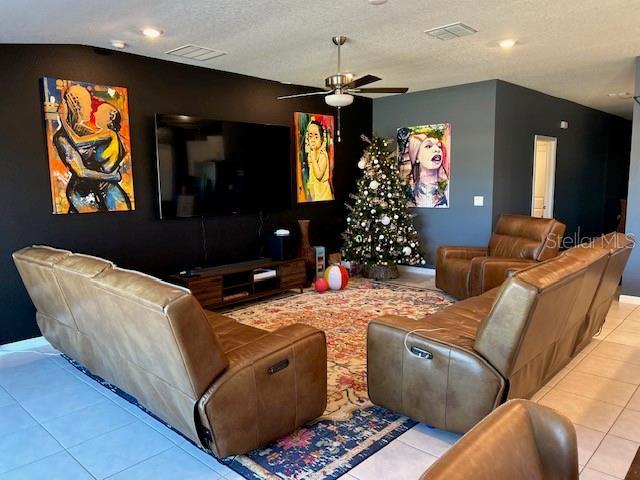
279 247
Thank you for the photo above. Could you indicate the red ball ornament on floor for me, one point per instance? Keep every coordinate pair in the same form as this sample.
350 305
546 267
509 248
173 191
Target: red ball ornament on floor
321 285
337 277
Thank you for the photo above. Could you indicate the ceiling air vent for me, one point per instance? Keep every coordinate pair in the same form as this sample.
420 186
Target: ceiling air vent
194 52
451 31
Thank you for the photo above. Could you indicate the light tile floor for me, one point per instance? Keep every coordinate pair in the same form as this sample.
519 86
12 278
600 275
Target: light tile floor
56 423
599 391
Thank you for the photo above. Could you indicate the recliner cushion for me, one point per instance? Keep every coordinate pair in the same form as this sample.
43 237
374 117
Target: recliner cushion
458 324
73 274
454 328
232 334
519 236
34 265
481 304
147 309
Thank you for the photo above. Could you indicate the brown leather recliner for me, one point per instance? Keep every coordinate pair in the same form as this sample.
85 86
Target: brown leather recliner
228 386
519 440
452 368
517 242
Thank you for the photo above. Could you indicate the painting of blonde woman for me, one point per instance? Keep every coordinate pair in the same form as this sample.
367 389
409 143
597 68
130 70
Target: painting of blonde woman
88 145
314 157
424 163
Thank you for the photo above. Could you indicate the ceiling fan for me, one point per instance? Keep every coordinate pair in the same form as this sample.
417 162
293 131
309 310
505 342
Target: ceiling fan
341 86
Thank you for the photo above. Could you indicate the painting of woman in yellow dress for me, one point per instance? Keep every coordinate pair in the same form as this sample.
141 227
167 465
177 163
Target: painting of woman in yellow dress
314 157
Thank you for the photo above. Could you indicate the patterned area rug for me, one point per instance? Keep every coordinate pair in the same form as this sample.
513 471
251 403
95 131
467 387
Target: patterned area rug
352 428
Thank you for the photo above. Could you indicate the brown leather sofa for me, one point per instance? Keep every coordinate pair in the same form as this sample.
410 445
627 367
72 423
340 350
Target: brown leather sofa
619 248
517 242
227 386
452 368
519 440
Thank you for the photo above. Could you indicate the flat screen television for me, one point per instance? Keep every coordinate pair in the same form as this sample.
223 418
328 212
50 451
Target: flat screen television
217 167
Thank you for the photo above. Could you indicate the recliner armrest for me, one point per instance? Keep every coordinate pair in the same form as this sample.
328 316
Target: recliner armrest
254 350
491 272
556 441
272 386
542 444
424 377
451 251
453 268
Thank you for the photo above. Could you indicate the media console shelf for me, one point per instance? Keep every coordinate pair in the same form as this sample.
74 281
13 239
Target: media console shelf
228 284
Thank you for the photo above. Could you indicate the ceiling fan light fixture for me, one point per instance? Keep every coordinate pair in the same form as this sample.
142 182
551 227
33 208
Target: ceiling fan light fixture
339 99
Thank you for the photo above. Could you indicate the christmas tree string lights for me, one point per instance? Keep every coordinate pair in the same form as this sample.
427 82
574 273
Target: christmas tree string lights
380 228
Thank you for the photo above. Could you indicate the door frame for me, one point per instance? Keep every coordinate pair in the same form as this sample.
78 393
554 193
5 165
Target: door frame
551 173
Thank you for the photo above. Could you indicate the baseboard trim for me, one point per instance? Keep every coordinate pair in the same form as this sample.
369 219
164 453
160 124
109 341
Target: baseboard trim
418 270
25 344
629 299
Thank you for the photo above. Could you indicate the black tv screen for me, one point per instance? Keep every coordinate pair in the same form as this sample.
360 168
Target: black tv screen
210 167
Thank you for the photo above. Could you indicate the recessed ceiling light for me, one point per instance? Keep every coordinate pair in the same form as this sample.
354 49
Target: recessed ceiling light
377 2
118 44
151 32
507 43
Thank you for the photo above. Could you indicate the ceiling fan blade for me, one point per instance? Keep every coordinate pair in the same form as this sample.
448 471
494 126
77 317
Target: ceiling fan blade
324 92
379 90
366 80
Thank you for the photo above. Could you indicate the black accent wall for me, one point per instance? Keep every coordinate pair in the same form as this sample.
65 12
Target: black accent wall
592 158
138 239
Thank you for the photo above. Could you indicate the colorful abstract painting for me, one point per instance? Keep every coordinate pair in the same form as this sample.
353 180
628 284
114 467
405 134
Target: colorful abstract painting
88 145
424 163
314 157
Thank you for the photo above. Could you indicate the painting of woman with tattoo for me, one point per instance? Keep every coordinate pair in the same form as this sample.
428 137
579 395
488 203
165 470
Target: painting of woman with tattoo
424 164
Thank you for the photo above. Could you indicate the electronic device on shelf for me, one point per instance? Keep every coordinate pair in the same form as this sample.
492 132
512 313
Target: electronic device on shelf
189 274
209 167
280 245
264 274
320 261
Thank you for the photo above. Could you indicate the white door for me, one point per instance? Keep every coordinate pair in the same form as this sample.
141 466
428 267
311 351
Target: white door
544 176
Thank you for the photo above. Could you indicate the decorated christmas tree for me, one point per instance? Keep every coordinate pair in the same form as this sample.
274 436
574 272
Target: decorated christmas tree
380 231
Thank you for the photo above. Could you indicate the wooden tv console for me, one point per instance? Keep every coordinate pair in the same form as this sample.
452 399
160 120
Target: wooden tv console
229 284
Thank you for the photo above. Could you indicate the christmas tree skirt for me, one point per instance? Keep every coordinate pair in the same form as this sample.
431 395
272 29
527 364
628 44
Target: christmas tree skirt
420 280
351 429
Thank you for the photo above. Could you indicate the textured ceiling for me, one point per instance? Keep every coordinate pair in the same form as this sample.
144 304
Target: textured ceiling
575 49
